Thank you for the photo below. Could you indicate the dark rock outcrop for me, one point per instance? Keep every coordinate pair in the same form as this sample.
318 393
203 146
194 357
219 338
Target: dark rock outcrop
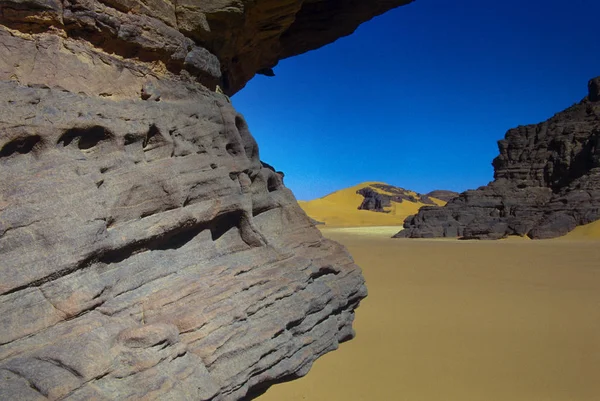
145 250
373 201
546 182
379 196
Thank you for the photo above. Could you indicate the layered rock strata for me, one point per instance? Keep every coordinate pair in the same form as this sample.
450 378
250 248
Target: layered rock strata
145 250
150 254
546 182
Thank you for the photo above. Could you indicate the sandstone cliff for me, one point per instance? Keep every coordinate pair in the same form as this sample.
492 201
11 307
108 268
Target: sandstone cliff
145 250
546 182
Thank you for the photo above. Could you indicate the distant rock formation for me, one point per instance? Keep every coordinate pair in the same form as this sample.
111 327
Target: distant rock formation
351 207
379 196
373 201
546 182
145 250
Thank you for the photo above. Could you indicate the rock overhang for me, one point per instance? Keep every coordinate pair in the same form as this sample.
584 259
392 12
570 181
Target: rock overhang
221 43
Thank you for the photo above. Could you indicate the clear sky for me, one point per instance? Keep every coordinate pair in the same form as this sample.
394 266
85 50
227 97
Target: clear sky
419 96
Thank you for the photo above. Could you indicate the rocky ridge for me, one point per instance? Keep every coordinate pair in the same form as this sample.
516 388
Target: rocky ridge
146 252
378 197
546 182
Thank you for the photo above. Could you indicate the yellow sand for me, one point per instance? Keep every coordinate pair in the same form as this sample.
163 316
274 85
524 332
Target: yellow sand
438 202
454 320
340 209
589 231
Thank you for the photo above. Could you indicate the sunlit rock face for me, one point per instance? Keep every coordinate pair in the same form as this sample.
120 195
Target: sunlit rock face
146 252
546 182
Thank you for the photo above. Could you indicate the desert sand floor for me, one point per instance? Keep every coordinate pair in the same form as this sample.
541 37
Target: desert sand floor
446 320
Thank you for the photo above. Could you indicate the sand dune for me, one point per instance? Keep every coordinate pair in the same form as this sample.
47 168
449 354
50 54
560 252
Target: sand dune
589 231
453 320
340 209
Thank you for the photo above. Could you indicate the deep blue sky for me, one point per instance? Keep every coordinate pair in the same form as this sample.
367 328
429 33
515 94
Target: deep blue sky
419 96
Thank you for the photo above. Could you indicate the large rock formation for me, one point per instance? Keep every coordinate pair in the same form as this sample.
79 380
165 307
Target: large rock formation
546 182
145 250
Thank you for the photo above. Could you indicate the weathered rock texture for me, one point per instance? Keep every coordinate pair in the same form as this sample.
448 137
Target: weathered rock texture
149 253
145 250
217 42
546 182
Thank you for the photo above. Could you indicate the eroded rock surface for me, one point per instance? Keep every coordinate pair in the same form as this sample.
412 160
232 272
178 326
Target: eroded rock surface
145 250
221 42
546 182
151 254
